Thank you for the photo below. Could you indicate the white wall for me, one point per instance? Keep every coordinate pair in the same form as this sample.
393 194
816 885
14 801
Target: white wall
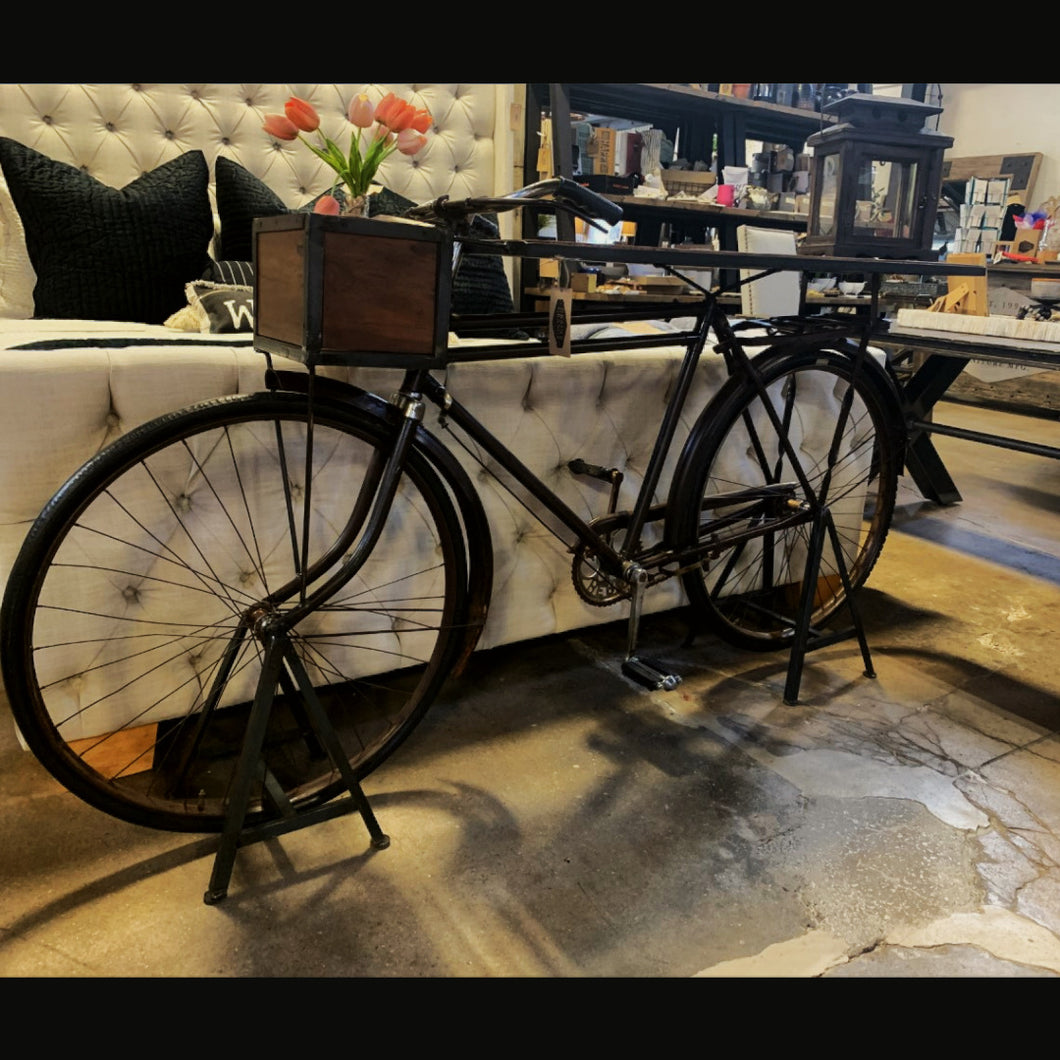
1001 119
995 119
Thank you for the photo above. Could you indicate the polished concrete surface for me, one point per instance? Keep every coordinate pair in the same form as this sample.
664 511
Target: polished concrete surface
551 819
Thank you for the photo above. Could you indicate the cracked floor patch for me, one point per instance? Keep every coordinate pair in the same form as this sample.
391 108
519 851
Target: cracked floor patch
1004 934
839 774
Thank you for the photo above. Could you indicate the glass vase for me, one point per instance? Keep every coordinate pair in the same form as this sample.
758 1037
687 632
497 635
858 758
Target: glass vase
354 205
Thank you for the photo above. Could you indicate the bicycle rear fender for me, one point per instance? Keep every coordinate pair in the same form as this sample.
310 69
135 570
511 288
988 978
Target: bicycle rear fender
478 542
879 377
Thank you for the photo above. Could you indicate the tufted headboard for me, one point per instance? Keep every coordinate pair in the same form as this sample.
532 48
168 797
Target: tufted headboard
118 132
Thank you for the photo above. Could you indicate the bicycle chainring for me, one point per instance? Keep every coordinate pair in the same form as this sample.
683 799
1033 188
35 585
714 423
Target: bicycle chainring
594 585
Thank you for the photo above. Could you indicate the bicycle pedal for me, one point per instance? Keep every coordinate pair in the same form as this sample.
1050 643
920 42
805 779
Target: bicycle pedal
649 674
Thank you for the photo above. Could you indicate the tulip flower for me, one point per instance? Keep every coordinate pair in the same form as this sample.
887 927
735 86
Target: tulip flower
400 118
409 141
400 115
327 204
281 127
362 113
302 114
391 125
385 107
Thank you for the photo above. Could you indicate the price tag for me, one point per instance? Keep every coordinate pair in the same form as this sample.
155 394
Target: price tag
559 308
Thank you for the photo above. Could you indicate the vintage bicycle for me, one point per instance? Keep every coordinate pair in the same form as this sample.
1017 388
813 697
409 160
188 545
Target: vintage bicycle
228 702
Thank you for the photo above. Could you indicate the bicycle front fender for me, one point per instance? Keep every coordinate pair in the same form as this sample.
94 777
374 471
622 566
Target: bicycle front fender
478 542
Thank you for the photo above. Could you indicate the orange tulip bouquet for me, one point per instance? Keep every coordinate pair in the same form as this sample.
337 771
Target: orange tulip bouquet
390 125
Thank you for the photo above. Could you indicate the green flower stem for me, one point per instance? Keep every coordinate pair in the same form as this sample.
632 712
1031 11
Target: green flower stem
355 171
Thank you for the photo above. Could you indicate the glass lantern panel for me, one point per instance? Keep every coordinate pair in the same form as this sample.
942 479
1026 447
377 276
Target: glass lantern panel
823 223
884 205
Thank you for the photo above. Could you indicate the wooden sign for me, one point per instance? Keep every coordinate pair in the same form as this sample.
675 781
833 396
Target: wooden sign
1021 169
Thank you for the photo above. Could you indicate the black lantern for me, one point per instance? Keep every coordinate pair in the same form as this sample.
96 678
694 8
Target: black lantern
877 174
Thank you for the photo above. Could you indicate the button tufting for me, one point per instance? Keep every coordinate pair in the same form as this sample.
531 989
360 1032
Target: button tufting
47 119
110 126
169 134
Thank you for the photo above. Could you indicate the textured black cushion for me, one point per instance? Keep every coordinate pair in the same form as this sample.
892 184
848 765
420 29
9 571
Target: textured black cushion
240 198
480 286
103 253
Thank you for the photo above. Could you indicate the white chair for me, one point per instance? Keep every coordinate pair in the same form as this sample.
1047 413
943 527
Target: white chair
779 295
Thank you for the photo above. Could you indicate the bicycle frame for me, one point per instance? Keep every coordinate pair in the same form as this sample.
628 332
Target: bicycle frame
788 503
627 562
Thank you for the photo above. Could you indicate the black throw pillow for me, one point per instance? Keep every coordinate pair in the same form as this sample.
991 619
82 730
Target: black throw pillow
103 253
240 198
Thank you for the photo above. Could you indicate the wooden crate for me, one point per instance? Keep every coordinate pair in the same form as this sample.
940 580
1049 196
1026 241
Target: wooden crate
352 290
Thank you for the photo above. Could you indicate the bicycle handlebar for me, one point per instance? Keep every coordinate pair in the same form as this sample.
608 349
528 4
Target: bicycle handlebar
561 192
588 201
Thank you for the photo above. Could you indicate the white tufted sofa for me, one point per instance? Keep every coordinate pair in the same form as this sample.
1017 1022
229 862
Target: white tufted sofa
59 407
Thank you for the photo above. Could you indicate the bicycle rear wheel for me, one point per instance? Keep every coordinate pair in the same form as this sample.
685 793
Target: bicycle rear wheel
129 648
845 436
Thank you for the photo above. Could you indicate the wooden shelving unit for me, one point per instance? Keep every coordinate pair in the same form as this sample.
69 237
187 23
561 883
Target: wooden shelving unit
693 116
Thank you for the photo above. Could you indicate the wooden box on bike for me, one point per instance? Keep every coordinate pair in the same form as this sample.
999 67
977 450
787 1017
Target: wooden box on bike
352 290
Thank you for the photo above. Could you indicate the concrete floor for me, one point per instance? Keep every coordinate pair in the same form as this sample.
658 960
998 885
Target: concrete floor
550 819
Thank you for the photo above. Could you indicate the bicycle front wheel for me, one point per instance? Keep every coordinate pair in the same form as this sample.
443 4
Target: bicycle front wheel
131 632
748 582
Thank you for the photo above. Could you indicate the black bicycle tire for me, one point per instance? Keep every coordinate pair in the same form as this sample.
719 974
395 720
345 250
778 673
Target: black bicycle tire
754 620
56 524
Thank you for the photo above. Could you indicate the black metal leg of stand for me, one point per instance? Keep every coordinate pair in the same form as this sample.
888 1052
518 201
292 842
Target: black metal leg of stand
280 664
246 769
807 638
330 740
